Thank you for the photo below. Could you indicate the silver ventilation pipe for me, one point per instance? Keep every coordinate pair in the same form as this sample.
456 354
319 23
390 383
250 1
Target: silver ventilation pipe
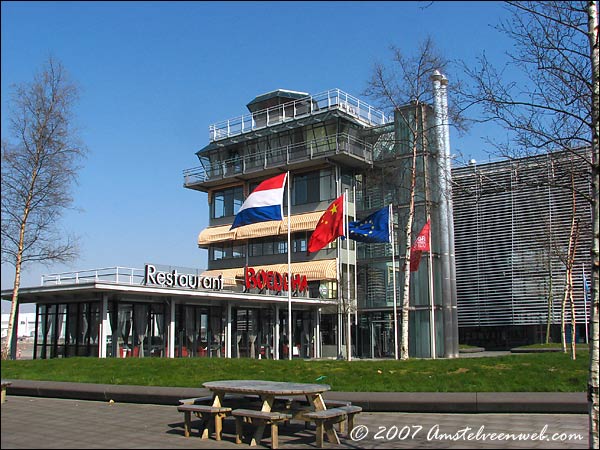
442 215
450 209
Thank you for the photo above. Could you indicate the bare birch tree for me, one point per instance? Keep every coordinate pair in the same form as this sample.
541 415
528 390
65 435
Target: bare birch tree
407 80
555 108
39 166
569 261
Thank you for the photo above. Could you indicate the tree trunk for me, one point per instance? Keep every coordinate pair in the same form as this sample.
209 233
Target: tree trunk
569 262
573 319
7 350
408 234
594 410
550 304
563 307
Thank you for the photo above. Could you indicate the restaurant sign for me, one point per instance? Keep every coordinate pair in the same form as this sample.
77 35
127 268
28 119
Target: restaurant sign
273 281
180 280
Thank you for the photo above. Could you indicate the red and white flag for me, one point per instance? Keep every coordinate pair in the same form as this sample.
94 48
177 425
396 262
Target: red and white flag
421 244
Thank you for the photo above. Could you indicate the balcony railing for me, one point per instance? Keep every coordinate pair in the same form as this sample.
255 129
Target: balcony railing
331 99
117 275
316 148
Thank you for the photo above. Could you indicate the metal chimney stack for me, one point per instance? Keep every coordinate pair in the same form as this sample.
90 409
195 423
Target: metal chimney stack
444 216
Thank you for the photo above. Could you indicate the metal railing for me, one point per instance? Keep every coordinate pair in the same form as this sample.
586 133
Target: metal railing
312 104
317 148
117 275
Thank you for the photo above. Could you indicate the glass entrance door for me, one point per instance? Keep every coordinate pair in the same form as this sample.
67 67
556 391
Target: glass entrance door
382 335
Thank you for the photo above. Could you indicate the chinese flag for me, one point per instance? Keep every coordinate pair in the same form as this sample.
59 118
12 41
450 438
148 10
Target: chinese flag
420 245
330 226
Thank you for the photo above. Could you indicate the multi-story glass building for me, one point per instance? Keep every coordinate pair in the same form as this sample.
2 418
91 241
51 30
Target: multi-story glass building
330 143
321 141
487 278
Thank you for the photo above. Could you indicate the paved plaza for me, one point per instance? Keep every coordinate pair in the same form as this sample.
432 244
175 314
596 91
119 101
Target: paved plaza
38 422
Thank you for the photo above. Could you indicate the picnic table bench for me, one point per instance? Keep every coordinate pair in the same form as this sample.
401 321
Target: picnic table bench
325 419
212 418
260 418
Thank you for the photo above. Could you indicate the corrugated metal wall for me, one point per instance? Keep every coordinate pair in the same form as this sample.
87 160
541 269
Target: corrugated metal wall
512 222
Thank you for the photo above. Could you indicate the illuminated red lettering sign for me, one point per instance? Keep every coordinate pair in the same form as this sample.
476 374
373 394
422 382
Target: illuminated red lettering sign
273 281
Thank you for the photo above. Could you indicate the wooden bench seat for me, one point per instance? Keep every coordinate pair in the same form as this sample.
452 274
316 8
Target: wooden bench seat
337 403
325 419
260 418
212 418
233 398
207 400
301 405
351 411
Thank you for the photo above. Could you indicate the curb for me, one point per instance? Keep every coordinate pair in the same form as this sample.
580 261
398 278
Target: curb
409 402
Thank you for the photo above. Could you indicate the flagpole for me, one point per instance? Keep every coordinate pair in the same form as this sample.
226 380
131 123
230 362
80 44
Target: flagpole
391 228
348 337
355 265
340 268
431 299
289 261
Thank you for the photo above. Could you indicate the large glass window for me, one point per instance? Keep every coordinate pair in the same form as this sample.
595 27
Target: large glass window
256 248
67 330
277 246
226 250
227 202
321 138
313 187
300 243
199 332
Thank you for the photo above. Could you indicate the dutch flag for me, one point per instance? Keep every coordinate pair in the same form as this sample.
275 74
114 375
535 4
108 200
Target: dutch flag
264 203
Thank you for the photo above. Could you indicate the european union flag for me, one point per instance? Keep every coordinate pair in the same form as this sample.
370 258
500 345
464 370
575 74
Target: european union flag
374 228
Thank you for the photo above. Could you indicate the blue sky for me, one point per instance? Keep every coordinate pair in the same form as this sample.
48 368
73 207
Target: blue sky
154 75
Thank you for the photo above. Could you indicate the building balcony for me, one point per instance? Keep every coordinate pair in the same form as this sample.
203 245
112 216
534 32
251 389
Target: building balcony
293 110
341 148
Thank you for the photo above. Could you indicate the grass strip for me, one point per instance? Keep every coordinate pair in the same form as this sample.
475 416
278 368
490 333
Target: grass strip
547 372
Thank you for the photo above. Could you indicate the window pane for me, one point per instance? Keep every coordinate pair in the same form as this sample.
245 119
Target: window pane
238 251
268 248
300 189
238 199
327 186
256 249
227 202
218 209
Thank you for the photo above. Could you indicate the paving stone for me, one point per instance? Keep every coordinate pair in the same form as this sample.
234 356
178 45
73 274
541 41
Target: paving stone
38 422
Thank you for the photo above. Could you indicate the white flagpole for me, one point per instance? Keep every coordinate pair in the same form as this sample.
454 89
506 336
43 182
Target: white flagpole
289 261
391 230
355 265
431 298
346 231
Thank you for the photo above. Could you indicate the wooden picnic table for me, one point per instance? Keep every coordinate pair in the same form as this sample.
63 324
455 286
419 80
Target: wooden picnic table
268 391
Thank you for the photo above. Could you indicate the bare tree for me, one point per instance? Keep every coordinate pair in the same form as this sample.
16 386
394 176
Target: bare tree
39 166
407 81
569 261
556 107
